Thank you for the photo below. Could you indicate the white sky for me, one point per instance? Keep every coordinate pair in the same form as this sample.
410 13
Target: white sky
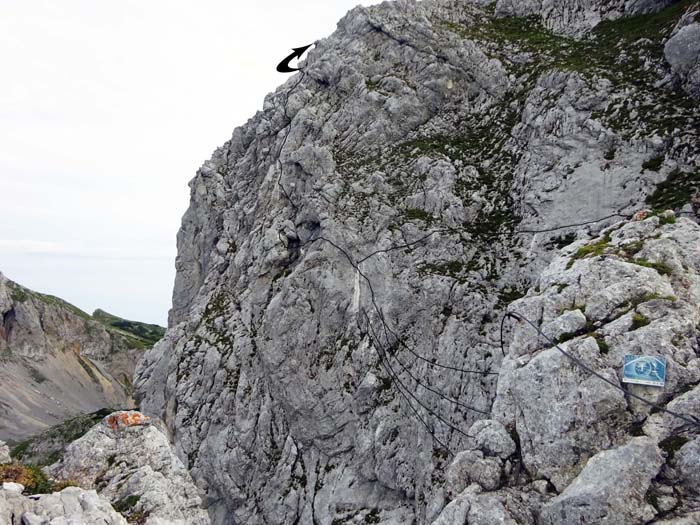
107 109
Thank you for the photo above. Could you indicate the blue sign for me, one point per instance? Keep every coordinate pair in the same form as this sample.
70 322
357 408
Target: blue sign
644 370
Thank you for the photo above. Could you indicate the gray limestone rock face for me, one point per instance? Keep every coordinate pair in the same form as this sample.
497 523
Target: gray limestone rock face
128 460
349 253
610 489
71 506
630 308
473 506
682 51
577 17
688 462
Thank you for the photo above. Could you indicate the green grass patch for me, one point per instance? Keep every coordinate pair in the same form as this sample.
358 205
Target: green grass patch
419 214
18 294
638 321
676 191
20 449
600 340
662 268
654 163
125 504
452 269
60 303
139 335
508 295
625 51
31 476
592 250
567 336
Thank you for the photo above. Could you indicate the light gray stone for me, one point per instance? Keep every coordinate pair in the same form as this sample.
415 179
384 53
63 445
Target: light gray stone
13 487
682 51
492 438
358 228
71 506
610 489
576 17
688 463
128 456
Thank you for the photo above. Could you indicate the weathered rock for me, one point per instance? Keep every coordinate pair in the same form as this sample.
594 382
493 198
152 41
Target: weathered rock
492 438
682 51
129 462
4 453
376 219
576 17
503 507
71 506
610 489
613 289
691 519
688 464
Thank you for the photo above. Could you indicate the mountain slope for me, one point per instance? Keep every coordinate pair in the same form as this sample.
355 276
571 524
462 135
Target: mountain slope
334 348
57 362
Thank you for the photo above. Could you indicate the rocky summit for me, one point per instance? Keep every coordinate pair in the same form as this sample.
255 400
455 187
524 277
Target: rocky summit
407 287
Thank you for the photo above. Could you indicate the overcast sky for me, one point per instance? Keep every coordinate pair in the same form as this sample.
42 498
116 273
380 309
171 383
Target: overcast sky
107 109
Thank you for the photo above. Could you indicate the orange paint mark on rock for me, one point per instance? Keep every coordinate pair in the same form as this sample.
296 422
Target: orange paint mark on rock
641 215
126 419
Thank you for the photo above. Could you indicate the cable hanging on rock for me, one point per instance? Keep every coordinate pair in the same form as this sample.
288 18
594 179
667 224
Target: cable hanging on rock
692 420
386 356
383 355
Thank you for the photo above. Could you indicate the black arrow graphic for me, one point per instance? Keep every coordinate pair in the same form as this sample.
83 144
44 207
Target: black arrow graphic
283 67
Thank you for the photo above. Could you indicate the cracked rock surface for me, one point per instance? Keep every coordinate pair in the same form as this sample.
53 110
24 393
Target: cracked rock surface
334 352
129 461
71 506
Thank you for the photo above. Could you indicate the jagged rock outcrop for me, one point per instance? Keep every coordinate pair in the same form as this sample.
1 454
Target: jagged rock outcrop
682 51
48 446
4 453
611 488
57 361
639 295
128 460
375 220
577 17
72 505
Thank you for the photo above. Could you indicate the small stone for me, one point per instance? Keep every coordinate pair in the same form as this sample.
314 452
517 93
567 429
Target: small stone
487 473
29 518
13 487
493 438
541 486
